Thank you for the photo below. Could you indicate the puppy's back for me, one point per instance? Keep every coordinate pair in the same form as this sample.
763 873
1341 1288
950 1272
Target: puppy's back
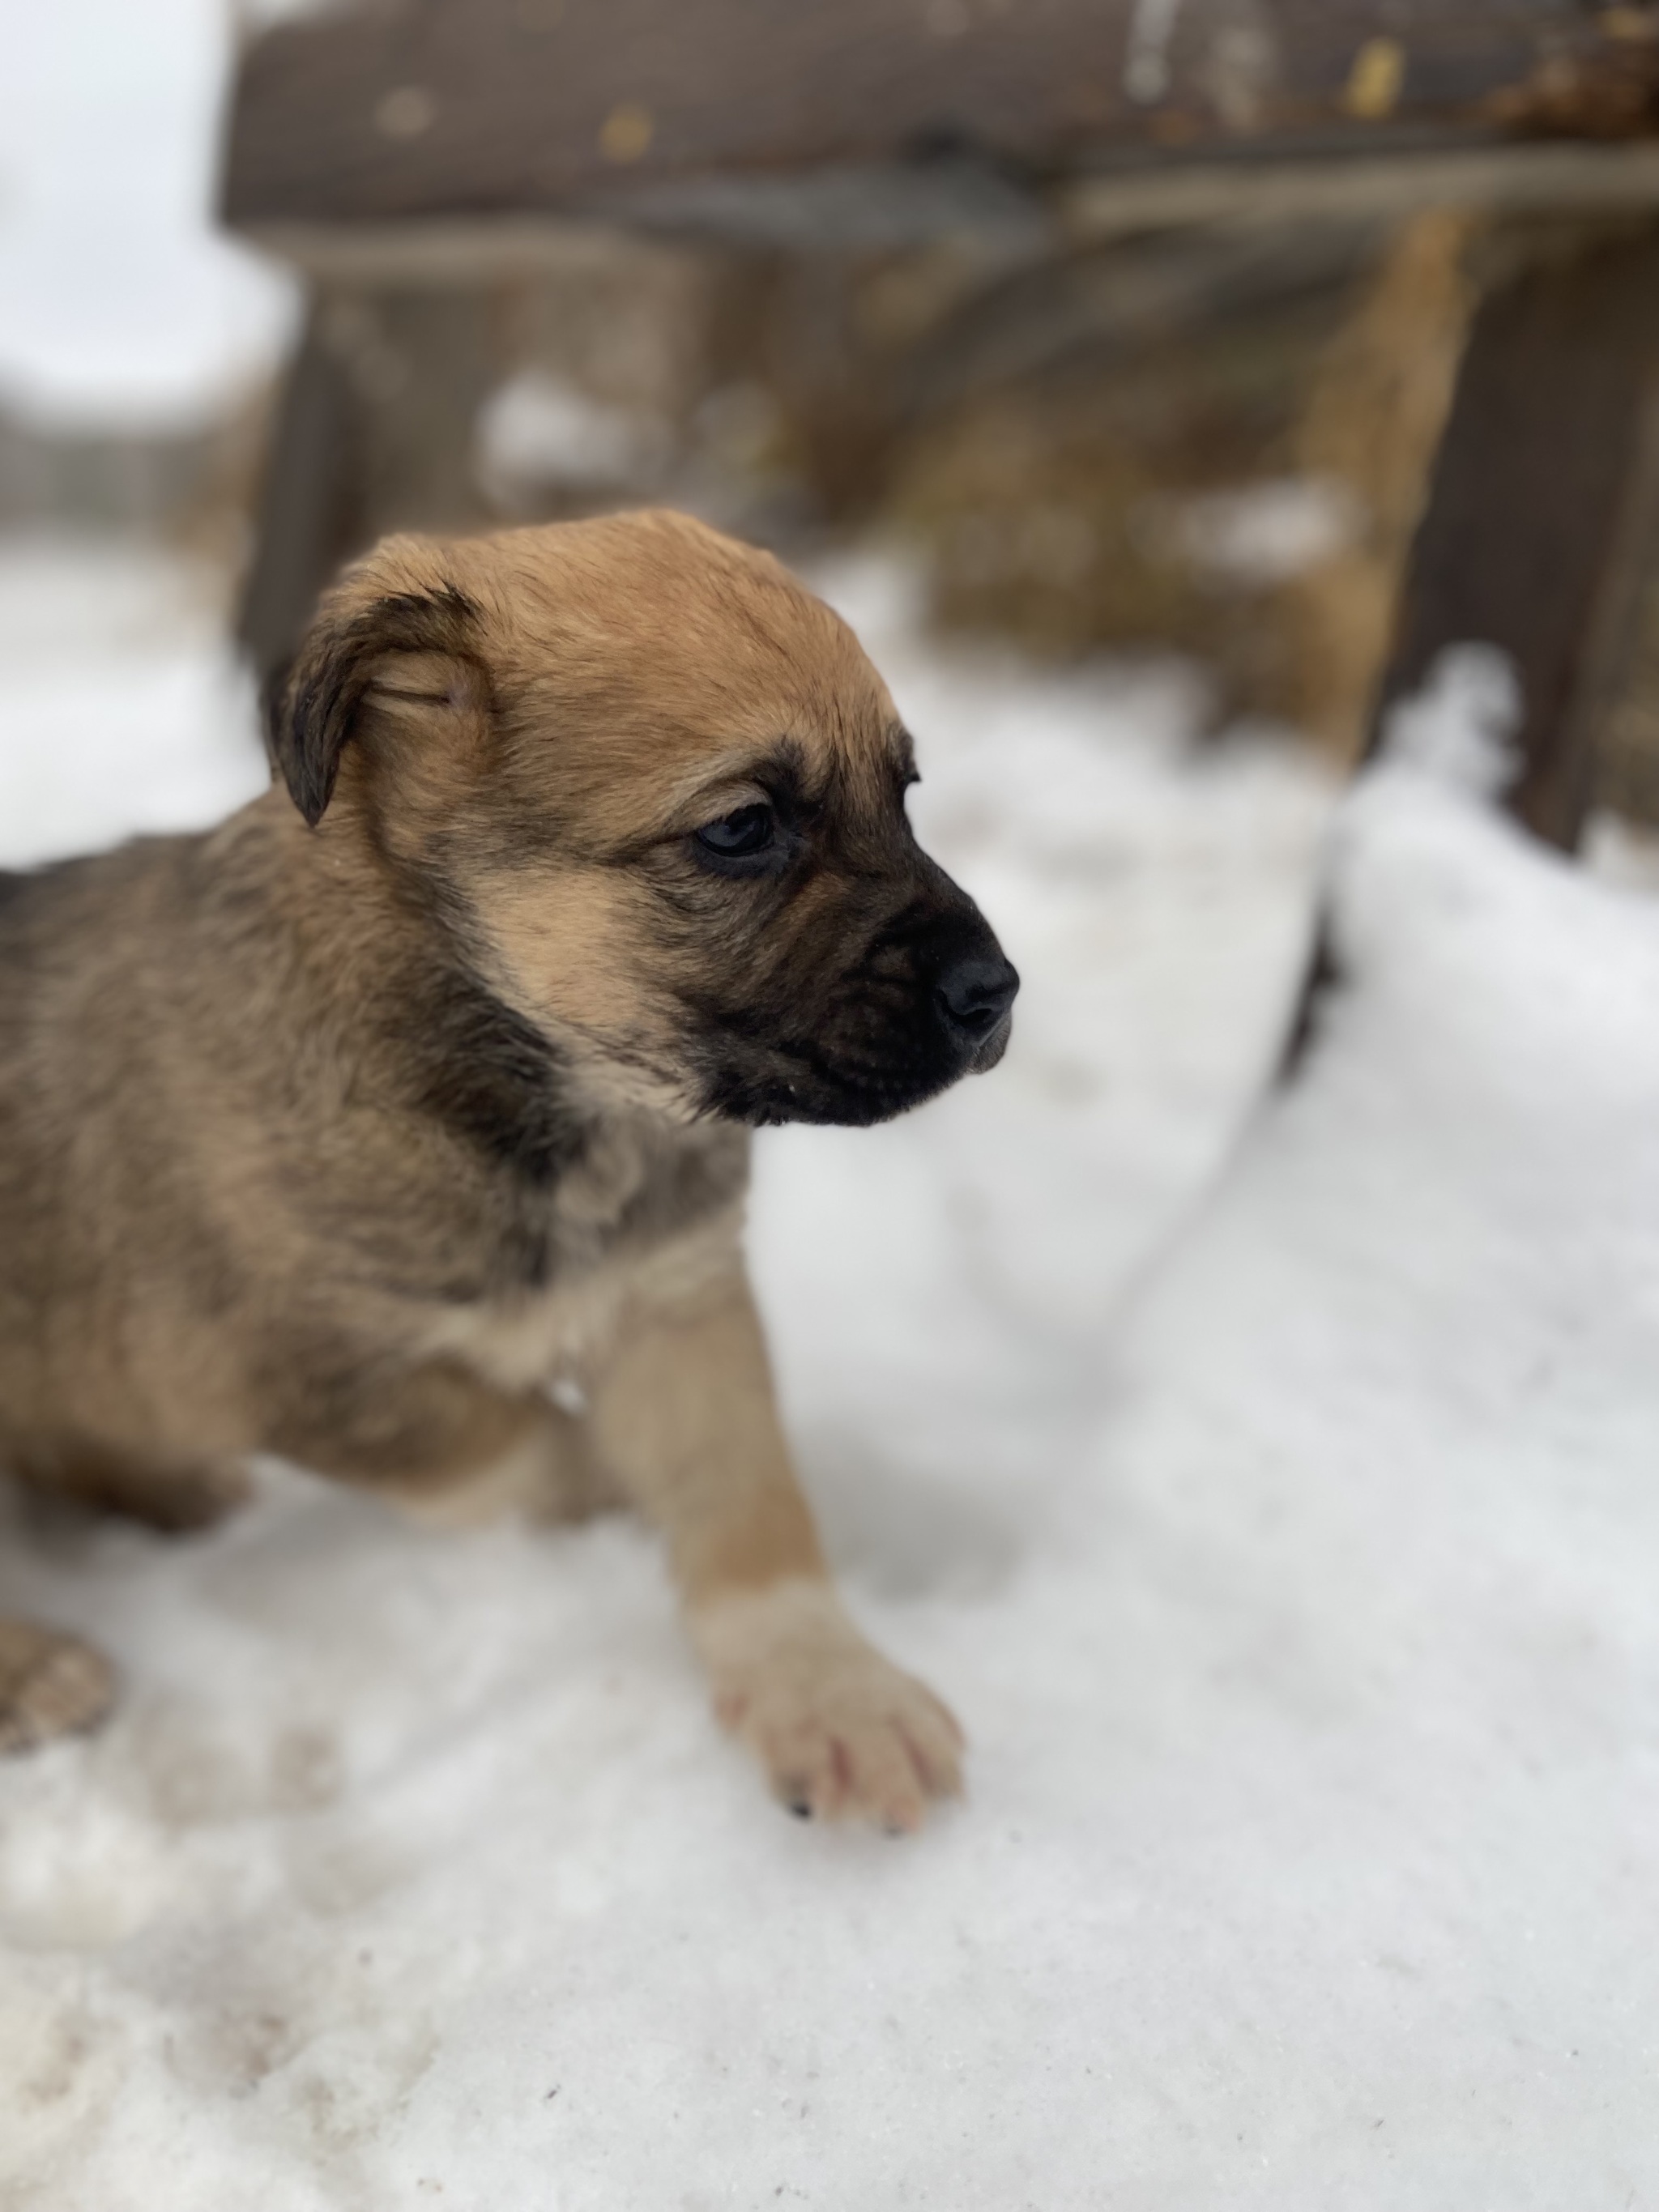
83 1127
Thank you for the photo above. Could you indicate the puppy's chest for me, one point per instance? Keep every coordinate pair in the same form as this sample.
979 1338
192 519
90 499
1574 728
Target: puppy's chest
644 1213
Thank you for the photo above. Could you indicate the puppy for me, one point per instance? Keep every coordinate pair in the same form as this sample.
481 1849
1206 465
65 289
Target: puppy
425 1083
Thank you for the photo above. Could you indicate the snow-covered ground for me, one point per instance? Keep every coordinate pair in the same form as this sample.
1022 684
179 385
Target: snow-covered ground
1270 1488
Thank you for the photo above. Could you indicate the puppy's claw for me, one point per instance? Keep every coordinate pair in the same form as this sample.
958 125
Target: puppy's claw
842 1733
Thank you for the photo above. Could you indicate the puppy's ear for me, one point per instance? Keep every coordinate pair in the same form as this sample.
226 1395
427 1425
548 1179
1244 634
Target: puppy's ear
357 639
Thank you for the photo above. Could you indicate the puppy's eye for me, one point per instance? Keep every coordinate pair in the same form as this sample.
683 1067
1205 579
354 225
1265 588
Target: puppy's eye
744 836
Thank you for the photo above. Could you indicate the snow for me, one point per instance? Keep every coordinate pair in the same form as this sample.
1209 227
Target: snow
537 432
1260 534
121 308
1268 1483
122 707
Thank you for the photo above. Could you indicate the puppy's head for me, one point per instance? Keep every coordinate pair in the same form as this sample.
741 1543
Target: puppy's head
655 792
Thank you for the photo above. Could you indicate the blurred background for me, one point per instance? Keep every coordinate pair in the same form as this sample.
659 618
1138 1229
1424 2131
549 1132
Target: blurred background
1134 328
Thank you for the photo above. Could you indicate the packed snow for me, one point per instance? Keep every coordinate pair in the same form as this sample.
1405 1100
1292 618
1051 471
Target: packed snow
1268 1479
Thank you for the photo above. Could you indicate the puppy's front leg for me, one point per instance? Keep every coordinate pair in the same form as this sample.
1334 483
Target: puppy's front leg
684 1415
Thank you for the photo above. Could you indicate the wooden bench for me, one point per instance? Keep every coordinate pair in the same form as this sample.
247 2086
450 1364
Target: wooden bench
429 153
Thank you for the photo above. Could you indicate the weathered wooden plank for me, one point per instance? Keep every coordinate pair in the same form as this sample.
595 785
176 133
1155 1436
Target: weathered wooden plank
887 208
309 503
375 432
1541 522
482 107
1537 498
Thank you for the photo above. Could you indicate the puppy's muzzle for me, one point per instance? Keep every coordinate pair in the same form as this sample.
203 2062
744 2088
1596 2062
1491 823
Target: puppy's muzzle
976 996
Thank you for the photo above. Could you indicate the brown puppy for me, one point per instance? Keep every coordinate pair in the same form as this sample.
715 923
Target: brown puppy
343 1130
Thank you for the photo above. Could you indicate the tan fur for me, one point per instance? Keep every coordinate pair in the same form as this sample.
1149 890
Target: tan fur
420 1085
50 1685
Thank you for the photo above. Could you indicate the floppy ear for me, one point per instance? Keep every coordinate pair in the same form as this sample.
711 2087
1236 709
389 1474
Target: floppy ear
313 705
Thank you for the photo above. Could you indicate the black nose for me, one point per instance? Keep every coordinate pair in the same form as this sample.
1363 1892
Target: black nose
977 992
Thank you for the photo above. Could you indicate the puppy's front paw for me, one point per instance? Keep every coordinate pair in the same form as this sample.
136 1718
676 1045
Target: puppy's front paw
50 1685
840 1732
